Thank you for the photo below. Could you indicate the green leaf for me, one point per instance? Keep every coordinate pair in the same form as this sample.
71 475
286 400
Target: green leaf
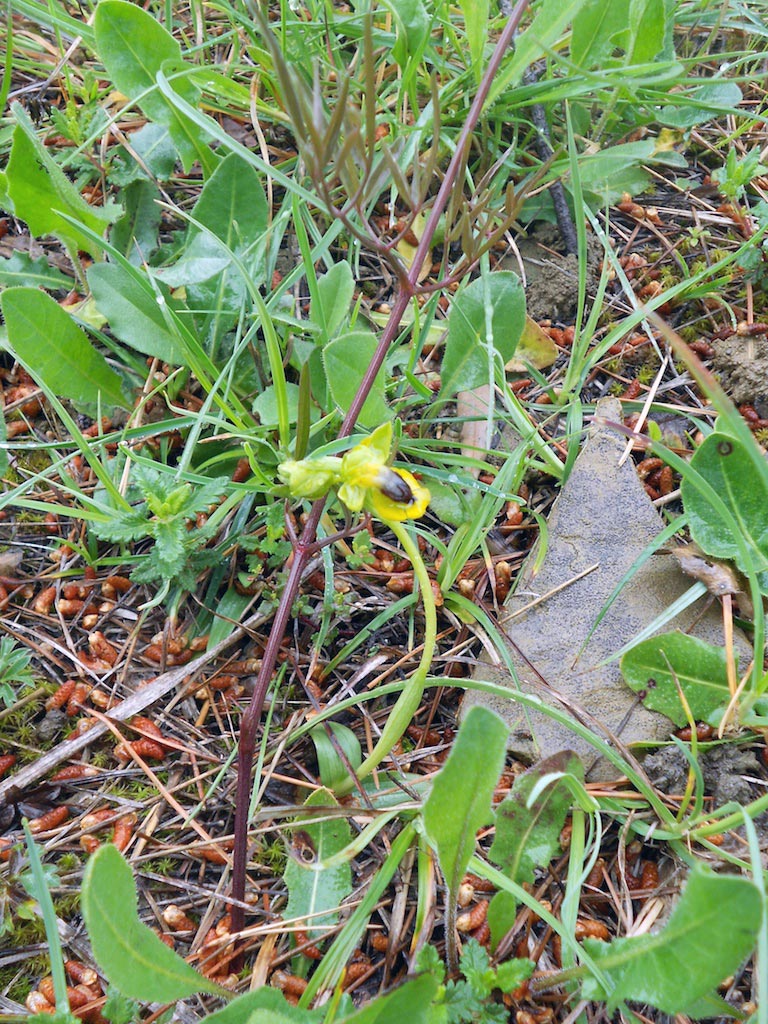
23 271
460 801
410 1002
652 666
134 47
41 192
595 29
529 837
486 320
243 1010
135 235
233 207
334 296
650 26
331 768
701 104
742 485
265 405
413 25
512 973
315 892
133 958
345 361
54 350
711 930
229 609
129 302
153 146
476 14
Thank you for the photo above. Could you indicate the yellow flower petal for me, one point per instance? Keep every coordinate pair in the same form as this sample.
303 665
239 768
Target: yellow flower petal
384 503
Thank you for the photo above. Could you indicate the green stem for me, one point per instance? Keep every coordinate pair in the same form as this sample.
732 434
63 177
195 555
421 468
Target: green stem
405 707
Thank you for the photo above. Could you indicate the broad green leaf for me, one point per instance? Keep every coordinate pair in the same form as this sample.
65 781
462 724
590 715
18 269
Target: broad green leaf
54 350
460 801
410 1002
650 24
652 666
331 768
265 404
135 235
701 104
486 321
233 207
595 31
21 270
345 361
334 295
413 24
133 47
528 837
153 146
133 958
128 301
726 465
316 892
711 930
41 192
264 1001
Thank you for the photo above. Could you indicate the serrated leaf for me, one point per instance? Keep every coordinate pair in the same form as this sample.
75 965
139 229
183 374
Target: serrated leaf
651 667
128 301
19 269
54 350
486 321
345 361
134 47
711 930
132 957
460 801
315 892
41 192
728 468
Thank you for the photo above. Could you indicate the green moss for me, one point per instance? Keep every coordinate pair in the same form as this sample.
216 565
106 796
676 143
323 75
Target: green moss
68 905
271 856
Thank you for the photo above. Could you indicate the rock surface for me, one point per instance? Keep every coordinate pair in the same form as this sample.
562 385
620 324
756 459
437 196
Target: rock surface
602 517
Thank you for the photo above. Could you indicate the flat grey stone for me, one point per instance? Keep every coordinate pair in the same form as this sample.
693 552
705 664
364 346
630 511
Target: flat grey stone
603 516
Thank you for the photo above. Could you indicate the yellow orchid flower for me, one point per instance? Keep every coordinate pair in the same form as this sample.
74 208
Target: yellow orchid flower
365 478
